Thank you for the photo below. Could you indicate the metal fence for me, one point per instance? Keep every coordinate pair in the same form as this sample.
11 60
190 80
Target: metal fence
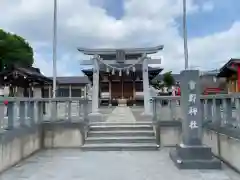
222 110
30 111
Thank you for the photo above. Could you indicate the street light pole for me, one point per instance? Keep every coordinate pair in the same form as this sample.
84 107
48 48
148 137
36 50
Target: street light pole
54 49
185 34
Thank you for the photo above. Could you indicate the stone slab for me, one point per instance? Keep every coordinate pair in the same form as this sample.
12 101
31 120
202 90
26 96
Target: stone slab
187 163
121 114
95 117
75 164
194 157
192 153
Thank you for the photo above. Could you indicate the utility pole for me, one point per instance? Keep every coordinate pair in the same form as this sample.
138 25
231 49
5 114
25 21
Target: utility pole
54 49
185 33
1 60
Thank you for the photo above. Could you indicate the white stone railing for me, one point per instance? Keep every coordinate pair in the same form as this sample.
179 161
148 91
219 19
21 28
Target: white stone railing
223 110
29 111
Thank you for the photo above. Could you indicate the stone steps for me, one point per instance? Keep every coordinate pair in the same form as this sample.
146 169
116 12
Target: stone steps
120 133
120 123
121 127
121 147
138 139
120 136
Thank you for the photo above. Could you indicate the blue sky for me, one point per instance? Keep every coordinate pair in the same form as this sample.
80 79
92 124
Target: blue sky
214 16
212 24
220 18
114 8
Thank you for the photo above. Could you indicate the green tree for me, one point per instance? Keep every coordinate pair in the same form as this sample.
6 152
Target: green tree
14 50
157 84
168 79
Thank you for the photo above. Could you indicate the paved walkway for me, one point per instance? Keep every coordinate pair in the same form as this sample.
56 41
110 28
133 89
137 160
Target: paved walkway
121 114
134 114
77 165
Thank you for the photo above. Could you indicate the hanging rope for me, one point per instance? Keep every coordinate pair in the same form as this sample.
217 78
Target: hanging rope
123 68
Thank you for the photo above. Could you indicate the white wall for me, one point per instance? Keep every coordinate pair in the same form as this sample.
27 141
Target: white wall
62 137
19 92
223 146
5 91
37 93
105 95
18 148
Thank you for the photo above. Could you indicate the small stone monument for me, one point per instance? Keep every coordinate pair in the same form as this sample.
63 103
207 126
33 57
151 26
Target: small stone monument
192 154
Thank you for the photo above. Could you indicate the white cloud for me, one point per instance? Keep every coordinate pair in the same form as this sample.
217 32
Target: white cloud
145 23
215 49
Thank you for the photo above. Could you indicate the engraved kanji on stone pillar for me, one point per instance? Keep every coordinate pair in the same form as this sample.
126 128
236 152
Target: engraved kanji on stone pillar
191 154
190 101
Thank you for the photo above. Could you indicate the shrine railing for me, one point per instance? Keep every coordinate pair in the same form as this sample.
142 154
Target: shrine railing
166 108
219 110
17 112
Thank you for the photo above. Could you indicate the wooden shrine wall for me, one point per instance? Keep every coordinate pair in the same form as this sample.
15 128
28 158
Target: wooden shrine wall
116 90
128 90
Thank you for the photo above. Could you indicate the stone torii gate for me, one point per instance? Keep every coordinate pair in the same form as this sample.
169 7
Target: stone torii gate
121 58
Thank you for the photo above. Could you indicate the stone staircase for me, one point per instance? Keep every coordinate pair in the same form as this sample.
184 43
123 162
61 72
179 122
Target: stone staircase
113 136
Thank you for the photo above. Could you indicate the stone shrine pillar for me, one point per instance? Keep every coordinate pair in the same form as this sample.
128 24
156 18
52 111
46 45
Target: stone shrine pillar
190 105
95 115
146 91
95 92
191 154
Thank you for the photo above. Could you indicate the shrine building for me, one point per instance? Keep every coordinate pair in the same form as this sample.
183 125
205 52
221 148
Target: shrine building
231 71
121 74
127 86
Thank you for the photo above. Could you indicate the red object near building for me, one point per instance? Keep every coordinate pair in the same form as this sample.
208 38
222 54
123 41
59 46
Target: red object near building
5 102
178 92
208 91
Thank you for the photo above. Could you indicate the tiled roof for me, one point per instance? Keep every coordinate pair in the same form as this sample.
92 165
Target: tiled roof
29 72
72 80
147 50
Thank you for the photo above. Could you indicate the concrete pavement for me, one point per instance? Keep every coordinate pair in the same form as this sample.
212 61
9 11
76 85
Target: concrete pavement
77 165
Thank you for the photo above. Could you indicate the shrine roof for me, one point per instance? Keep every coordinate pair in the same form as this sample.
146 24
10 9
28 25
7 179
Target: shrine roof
106 51
229 68
72 80
30 72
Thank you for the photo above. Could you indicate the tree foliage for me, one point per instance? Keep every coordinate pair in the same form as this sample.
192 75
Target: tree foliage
168 79
14 50
157 84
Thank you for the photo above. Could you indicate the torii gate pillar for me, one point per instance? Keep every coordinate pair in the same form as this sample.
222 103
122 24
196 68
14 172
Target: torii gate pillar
95 115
